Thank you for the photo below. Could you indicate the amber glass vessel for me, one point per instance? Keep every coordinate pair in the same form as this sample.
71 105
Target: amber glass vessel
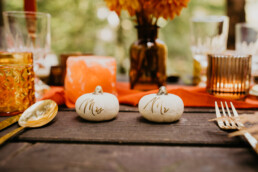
229 75
148 57
16 82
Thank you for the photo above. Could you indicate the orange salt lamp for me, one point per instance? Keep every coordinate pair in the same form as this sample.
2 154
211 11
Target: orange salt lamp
84 73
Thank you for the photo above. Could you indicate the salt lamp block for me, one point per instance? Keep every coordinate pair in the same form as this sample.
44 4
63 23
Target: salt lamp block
84 73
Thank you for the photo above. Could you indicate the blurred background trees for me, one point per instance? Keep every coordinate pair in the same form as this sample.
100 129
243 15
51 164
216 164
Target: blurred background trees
88 26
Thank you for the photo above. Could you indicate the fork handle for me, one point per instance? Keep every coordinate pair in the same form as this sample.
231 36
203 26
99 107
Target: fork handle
10 135
9 121
252 141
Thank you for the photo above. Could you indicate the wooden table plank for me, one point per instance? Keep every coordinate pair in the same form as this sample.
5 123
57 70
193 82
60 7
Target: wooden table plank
9 151
126 108
130 128
80 157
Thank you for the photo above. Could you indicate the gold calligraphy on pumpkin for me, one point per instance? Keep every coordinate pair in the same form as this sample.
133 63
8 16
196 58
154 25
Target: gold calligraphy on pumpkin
156 102
90 105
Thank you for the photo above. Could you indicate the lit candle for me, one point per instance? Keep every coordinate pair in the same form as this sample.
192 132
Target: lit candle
229 75
84 73
30 5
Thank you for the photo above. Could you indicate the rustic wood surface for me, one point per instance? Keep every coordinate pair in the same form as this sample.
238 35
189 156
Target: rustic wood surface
81 157
127 143
125 108
131 128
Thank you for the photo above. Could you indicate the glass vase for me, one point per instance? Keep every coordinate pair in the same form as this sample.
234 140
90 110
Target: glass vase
148 57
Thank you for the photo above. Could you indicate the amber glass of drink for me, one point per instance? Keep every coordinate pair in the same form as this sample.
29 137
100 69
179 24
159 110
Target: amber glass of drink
229 75
16 82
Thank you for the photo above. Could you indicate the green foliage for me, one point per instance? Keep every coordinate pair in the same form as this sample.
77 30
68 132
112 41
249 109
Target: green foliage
76 27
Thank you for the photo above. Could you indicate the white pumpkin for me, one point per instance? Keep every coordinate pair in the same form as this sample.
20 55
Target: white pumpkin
161 107
97 106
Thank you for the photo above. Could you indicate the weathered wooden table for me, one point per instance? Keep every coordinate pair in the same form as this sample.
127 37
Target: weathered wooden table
128 143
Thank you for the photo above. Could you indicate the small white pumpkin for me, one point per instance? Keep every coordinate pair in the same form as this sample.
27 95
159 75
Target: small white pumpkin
97 106
161 107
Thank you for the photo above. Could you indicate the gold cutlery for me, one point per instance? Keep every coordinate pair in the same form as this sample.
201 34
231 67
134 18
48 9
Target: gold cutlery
36 115
9 121
227 122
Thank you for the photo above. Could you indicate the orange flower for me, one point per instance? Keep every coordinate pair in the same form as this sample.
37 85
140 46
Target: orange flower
148 11
131 6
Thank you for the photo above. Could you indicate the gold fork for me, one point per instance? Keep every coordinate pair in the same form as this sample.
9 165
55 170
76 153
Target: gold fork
226 122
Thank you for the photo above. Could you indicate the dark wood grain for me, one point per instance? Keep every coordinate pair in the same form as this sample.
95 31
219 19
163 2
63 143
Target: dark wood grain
125 108
9 151
131 128
79 157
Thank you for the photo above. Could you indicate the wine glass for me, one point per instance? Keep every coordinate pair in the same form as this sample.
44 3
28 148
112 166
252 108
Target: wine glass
30 32
208 35
247 43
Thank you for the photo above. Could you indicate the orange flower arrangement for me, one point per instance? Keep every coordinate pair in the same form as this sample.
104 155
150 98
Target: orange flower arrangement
148 11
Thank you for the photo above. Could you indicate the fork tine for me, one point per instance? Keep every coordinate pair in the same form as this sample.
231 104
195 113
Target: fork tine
220 122
217 110
225 115
236 115
233 124
229 114
234 110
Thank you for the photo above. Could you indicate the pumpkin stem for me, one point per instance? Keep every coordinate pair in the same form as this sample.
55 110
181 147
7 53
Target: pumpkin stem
162 91
98 90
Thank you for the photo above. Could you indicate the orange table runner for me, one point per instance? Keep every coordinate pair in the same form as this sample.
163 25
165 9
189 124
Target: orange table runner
192 96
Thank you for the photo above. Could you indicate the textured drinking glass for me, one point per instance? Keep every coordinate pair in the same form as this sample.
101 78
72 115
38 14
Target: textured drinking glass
247 42
16 82
208 35
28 32
229 75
